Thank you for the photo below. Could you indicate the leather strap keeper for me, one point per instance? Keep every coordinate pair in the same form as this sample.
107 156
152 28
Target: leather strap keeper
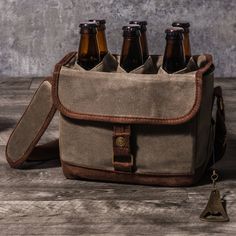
122 158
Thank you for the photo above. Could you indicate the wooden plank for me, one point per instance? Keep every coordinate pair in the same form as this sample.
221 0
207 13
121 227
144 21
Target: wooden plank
15 83
36 82
108 217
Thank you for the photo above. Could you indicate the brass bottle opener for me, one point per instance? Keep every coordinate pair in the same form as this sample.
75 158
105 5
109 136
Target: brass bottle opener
215 210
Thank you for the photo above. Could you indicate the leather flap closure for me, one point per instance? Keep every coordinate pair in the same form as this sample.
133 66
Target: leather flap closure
127 97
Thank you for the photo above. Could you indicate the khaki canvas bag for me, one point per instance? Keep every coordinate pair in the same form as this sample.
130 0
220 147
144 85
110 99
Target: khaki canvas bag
143 127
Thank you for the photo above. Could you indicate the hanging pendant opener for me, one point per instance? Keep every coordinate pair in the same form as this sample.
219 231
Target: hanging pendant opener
215 210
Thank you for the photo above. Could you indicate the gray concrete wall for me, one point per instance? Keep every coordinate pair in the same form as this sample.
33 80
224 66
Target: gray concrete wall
35 34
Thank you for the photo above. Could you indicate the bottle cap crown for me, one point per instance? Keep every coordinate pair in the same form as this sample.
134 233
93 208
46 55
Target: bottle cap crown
142 24
183 24
174 32
131 30
88 24
98 21
90 27
131 27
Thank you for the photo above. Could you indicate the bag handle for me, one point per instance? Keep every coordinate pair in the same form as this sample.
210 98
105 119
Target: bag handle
22 142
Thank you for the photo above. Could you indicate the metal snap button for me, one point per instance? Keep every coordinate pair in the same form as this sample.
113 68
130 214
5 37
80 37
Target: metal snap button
120 141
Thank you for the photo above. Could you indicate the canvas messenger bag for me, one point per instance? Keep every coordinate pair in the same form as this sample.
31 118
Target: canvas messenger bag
143 127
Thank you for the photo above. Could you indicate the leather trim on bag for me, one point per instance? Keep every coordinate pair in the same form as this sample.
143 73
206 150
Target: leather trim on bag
78 172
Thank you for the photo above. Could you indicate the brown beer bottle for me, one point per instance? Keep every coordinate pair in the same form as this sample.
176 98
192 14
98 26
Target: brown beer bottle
131 54
143 39
88 54
174 58
101 36
187 48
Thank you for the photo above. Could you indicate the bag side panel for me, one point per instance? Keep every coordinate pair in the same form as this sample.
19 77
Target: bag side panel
204 130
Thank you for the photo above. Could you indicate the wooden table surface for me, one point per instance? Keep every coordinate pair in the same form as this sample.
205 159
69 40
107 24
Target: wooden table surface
38 200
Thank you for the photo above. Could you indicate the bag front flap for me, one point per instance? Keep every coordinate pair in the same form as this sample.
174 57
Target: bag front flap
127 97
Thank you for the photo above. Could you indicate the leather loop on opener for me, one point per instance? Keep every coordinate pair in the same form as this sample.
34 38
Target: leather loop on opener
123 160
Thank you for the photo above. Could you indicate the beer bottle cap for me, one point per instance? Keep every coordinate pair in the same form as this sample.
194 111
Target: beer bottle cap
174 32
100 23
131 27
183 24
143 24
131 30
138 22
90 27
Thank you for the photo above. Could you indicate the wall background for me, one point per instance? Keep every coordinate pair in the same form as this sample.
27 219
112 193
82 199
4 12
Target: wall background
35 34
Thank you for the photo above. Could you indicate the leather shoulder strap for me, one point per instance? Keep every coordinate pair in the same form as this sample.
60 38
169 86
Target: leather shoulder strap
220 131
220 141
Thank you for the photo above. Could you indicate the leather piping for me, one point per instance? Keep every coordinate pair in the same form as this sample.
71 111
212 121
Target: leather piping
23 158
128 120
79 172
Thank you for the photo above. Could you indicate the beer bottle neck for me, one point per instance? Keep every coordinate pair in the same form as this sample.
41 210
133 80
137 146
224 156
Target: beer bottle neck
144 45
187 48
88 54
102 43
174 58
131 55
130 44
173 47
88 44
